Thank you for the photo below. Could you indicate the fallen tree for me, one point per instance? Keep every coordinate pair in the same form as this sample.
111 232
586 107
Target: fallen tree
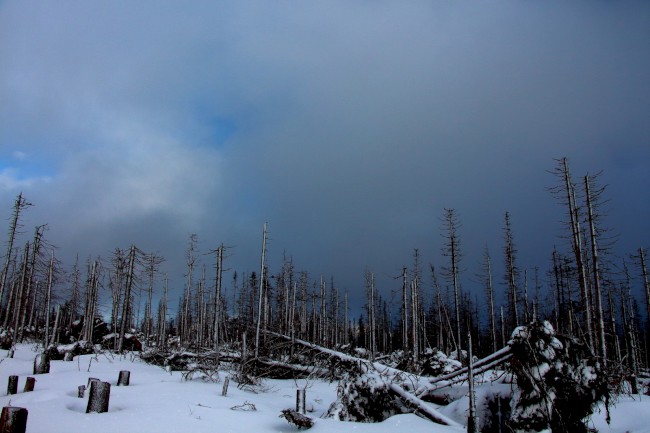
374 391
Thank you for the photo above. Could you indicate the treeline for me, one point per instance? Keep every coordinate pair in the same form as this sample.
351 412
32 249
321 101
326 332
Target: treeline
585 292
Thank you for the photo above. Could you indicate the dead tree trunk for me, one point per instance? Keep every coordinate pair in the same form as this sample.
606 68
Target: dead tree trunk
19 205
405 319
596 273
261 293
472 419
126 306
91 302
23 312
452 250
490 295
217 298
19 292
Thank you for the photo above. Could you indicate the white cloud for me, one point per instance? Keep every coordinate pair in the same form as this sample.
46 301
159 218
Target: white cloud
11 181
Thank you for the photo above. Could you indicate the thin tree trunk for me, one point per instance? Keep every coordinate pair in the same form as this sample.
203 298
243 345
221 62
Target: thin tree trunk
48 299
261 290
217 298
19 205
596 275
577 250
126 305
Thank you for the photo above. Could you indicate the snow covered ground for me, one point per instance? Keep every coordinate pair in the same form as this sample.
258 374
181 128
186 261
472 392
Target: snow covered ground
162 402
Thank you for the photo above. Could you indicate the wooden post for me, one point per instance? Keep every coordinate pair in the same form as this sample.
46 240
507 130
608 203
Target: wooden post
91 380
124 378
13 420
10 353
81 391
98 397
12 386
69 356
301 406
42 363
224 390
29 384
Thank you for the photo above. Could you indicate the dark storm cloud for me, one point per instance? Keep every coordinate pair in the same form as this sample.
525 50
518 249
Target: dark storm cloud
348 126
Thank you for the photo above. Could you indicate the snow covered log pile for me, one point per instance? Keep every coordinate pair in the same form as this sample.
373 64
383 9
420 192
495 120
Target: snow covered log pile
558 381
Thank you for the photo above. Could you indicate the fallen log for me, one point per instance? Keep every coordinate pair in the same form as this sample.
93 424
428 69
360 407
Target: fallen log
379 367
460 375
422 407
390 377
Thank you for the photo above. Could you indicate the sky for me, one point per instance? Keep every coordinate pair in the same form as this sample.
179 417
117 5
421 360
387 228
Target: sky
348 126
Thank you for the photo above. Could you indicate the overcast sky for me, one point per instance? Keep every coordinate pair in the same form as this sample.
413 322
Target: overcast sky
348 126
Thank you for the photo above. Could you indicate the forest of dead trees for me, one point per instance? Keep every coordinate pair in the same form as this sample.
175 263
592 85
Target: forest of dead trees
124 301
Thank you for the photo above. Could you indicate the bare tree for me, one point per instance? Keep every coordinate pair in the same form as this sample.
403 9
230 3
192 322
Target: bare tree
261 292
19 205
217 297
130 284
452 250
511 273
152 263
591 196
371 312
566 192
489 292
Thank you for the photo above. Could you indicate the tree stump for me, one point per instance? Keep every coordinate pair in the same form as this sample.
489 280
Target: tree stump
13 420
91 380
301 398
29 384
10 353
81 391
42 363
224 390
12 386
124 378
100 393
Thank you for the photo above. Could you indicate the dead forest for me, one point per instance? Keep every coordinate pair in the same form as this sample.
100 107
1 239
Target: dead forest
287 323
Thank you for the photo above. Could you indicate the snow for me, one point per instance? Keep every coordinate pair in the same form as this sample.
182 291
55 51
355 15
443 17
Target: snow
161 402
